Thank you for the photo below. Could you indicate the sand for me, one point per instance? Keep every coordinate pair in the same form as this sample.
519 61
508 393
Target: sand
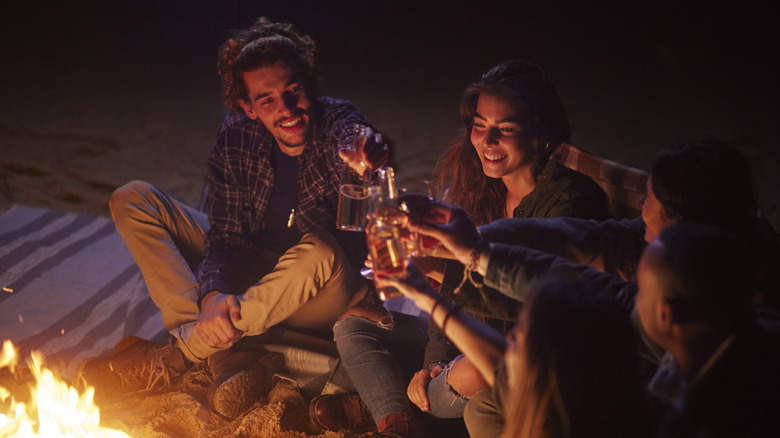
95 94
182 412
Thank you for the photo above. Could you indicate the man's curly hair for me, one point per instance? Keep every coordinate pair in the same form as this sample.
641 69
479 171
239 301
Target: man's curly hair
260 45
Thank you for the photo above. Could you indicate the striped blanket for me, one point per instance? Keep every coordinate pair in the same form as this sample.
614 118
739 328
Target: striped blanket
71 290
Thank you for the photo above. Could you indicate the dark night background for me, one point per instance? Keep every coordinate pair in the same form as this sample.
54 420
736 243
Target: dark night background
96 93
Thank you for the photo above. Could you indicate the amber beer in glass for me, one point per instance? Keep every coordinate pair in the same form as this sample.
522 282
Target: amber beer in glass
387 252
383 232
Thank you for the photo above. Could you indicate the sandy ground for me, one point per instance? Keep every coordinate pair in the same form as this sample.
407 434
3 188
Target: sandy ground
95 94
182 412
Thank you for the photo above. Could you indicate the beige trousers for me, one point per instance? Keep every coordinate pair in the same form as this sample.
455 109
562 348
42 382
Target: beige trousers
309 286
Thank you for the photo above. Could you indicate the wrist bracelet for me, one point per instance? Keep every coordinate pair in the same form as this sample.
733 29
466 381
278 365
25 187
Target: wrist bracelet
471 266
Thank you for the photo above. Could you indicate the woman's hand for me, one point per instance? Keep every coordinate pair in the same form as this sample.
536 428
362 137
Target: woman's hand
451 226
417 391
414 286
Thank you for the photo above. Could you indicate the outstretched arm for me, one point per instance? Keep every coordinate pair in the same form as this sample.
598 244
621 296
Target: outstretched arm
483 345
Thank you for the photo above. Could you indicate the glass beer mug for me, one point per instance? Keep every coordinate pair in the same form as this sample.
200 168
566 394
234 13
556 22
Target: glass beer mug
353 190
386 223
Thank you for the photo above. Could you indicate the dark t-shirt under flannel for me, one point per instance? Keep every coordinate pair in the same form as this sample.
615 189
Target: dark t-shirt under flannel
241 182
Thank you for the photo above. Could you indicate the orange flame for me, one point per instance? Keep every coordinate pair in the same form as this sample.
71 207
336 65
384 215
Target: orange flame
56 409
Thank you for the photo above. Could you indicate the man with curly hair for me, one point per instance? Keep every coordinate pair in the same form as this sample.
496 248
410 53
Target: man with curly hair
268 251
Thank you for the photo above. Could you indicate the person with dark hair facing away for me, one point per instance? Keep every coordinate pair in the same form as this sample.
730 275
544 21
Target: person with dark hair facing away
686 184
508 256
268 251
513 120
565 369
695 300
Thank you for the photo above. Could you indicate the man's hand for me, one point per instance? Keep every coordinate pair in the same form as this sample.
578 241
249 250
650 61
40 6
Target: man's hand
451 226
418 387
371 153
216 322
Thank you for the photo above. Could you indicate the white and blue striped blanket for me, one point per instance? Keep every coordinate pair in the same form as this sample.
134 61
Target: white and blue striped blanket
70 288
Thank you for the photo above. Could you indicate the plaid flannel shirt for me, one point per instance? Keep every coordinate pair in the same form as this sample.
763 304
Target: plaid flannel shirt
241 180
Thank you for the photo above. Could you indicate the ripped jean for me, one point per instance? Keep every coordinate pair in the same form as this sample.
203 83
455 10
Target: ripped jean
381 359
444 401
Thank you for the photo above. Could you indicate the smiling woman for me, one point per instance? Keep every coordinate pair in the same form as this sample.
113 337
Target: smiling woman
513 120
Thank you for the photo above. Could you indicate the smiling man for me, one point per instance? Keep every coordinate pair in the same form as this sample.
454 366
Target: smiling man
268 252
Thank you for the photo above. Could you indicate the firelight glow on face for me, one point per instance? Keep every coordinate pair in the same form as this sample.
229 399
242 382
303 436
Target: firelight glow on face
497 137
278 99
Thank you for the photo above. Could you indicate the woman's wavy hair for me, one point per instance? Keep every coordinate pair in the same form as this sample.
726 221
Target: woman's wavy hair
261 45
578 347
458 176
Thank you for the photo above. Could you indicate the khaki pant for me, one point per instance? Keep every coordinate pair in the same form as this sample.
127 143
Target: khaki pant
309 286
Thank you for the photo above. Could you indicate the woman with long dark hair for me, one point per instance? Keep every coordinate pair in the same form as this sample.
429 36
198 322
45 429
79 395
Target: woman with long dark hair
568 368
513 120
500 167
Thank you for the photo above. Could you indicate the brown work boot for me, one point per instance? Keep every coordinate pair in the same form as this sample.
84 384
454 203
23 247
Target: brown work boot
240 378
401 425
341 411
135 364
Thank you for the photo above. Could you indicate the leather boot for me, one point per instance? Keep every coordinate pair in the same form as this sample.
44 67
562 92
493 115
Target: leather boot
135 364
401 425
240 378
341 412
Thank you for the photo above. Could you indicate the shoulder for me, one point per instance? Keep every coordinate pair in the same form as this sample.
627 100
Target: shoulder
238 124
331 106
236 120
335 119
575 183
565 177
569 187
239 132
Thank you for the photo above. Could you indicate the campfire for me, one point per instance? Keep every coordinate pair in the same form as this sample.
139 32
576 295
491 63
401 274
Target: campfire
55 408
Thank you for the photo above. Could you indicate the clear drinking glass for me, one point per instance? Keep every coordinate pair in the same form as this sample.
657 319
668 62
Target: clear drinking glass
353 190
384 232
416 206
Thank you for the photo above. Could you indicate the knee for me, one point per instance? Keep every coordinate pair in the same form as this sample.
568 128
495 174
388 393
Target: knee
318 247
465 378
349 326
354 334
376 314
124 198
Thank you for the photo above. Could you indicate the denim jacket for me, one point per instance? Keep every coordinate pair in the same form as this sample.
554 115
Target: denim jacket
526 249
